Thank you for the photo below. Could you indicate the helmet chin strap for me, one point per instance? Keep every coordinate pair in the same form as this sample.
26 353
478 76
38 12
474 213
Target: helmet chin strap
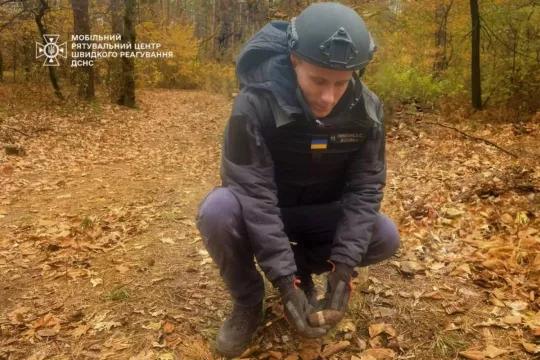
359 73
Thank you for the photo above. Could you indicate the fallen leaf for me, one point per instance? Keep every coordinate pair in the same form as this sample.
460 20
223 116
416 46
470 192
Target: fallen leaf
346 326
80 331
461 270
168 327
378 354
377 329
275 355
203 253
517 305
491 322
451 327
454 307
106 325
16 316
40 354
434 295
522 218
492 352
405 294
377 342
50 332
64 196
167 240
365 357
293 356
157 345
512 319
497 302
531 348
472 354
157 312
152 325
166 356
437 266
122 269
96 281
379 312
310 349
334 348
143 355
411 267
453 213
249 351
46 326
507 218
360 343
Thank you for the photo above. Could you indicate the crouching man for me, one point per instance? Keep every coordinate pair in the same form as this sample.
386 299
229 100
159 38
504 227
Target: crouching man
303 171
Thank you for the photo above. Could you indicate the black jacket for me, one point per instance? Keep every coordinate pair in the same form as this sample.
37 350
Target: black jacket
276 154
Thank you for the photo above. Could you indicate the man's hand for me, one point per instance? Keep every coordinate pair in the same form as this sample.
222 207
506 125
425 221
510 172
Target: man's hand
297 307
339 287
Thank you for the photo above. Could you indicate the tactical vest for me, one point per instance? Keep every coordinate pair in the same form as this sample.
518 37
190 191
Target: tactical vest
311 157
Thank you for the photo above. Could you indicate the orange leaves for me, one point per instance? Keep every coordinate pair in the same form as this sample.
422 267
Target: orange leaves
45 326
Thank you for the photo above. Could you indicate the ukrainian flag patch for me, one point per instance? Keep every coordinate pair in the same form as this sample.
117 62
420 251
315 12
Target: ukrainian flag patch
319 143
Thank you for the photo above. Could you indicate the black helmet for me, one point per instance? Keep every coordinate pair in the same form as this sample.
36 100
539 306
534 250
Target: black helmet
331 35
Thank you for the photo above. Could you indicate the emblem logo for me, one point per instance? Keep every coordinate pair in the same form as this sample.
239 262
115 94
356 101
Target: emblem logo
51 50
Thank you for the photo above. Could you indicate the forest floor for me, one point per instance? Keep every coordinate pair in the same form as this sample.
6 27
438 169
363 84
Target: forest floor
100 257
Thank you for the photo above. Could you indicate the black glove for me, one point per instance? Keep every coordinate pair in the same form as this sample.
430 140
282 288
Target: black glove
296 306
338 290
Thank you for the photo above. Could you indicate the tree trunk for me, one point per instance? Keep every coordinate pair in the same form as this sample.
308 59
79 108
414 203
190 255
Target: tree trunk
476 85
127 90
28 58
441 39
14 67
81 26
224 22
1 66
43 7
292 8
114 71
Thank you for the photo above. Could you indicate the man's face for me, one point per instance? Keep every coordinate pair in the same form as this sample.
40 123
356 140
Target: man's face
322 87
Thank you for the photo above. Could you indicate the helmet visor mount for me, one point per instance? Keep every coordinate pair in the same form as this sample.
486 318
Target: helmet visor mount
339 49
338 52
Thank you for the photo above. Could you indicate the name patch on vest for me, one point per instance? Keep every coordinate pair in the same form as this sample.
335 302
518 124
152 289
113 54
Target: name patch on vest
347 138
319 143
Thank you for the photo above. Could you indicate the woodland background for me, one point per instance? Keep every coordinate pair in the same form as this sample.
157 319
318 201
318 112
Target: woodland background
424 57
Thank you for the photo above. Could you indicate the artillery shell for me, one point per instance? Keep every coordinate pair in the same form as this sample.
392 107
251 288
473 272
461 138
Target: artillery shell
324 317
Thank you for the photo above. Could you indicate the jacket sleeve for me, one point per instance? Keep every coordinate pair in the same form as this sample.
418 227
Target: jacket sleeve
247 170
361 200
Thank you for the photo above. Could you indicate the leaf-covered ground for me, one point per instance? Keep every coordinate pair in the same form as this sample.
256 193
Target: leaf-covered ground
100 257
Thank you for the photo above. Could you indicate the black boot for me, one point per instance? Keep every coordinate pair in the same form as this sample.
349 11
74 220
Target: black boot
307 285
237 331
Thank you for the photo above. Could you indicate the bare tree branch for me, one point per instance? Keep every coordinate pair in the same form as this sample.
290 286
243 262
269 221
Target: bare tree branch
8 1
10 21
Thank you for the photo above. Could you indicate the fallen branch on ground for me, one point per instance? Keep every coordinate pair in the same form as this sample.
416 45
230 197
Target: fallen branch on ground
15 129
472 137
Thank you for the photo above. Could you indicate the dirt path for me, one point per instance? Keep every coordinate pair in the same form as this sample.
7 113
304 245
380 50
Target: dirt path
100 258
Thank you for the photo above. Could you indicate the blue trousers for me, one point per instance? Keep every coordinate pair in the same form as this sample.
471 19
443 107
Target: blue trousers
310 229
